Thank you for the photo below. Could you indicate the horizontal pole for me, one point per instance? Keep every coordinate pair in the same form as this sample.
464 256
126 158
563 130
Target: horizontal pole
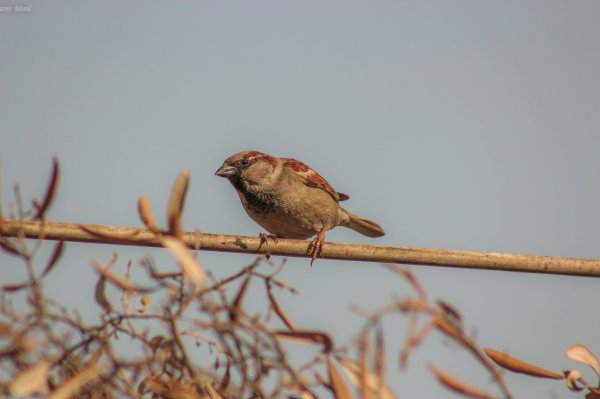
298 248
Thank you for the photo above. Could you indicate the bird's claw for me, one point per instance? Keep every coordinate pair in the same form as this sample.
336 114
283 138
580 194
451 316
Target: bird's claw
316 246
264 239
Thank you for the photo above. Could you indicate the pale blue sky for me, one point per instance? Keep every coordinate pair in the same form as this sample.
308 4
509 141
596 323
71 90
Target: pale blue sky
454 124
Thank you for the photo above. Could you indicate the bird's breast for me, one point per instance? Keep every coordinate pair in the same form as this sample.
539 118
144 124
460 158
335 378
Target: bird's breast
290 215
259 203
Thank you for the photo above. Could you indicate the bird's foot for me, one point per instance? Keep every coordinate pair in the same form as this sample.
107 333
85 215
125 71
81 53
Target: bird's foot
264 239
316 246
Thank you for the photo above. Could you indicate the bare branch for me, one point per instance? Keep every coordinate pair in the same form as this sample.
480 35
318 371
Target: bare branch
298 248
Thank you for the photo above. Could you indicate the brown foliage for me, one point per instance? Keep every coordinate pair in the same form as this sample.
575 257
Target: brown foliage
47 350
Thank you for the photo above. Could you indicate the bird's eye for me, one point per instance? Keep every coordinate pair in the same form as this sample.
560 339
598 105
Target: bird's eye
245 162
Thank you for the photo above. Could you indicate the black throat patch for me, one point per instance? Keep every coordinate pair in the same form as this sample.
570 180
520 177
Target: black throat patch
259 203
255 201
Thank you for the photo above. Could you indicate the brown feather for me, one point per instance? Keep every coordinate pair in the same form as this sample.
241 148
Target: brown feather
312 178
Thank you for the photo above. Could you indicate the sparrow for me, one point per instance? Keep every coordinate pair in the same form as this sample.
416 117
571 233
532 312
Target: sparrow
289 199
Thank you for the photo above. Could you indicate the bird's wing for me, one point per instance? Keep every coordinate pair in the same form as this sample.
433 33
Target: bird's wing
312 178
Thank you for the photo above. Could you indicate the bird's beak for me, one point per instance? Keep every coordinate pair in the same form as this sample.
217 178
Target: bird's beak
226 171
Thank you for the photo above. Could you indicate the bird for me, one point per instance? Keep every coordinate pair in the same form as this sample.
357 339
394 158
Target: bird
290 200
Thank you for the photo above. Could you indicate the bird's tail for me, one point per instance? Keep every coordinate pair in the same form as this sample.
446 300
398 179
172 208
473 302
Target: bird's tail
364 226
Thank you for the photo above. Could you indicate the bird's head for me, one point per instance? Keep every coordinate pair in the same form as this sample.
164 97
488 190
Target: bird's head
248 168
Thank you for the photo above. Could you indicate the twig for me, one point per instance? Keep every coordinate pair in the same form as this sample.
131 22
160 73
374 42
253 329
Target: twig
298 248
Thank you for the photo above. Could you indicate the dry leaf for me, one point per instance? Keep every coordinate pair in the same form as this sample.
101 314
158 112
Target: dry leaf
51 263
227 376
50 191
156 342
278 310
9 247
583 355
338 385
458 386
353 371
450 312
100 296
306 337
170 388
145 301
145 212
380 368
68 388
592 395
6 331
572 377
301 392
407 274
237 302
31 380
211 391
176 202
15 287
189 265
117 280
363 356
56 254
58 249
519 366
153 385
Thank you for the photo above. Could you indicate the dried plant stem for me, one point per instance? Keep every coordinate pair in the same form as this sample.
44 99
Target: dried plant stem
298 248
